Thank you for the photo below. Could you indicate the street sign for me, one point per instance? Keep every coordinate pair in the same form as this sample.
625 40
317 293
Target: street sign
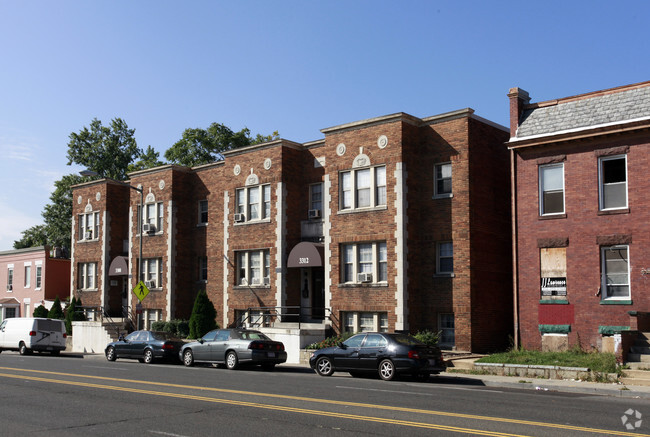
141 291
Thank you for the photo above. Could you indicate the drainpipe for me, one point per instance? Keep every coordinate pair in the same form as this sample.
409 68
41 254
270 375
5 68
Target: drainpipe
513 220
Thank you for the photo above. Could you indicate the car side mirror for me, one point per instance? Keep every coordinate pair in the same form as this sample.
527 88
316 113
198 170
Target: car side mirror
342 345
201 340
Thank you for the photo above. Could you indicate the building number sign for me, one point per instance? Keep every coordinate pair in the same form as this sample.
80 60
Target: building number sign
303 260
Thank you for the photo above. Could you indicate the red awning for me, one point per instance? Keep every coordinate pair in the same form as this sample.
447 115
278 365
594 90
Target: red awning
306 254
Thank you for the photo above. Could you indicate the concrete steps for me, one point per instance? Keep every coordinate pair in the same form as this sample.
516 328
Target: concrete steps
638 361
636 377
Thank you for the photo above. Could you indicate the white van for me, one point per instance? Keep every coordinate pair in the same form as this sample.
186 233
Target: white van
27 334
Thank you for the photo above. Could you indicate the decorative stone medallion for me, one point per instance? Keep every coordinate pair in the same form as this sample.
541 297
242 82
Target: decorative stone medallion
382 141
236 170
98 196
79 200
267 163
340 149
161 184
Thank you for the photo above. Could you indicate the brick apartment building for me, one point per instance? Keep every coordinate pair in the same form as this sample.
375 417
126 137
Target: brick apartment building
34 276
392 223
581 237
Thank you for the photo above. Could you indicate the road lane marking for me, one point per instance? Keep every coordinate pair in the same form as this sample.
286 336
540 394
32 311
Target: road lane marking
312 400
411 392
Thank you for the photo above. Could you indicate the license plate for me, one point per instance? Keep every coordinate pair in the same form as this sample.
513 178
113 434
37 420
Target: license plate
271 355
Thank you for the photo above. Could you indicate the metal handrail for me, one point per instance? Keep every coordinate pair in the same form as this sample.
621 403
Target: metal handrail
267 314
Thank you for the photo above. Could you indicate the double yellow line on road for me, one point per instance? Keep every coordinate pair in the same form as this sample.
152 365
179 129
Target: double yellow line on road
303 399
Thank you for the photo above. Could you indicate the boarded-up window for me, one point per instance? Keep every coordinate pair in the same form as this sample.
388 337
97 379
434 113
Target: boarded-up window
553 272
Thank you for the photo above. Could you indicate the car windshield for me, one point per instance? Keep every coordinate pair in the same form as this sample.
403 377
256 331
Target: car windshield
354 341
252 335
164 336
406 340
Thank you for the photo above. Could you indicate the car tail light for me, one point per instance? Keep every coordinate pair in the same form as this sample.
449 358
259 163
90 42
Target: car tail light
280 346
32 333
255 345
168 346
414 355
65 335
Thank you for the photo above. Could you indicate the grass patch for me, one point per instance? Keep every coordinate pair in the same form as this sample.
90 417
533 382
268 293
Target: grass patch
595 361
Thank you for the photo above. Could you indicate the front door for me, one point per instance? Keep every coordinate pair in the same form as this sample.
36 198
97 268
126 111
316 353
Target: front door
318 293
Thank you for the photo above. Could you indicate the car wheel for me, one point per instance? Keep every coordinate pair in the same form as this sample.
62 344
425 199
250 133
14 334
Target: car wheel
268 366
110 354
231 360
188 358
148 356
387 370
23 349
324 366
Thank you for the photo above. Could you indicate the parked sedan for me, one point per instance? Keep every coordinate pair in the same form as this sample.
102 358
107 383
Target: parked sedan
233 347
387 354
145 346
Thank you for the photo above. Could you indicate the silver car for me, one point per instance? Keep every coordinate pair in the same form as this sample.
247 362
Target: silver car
233 347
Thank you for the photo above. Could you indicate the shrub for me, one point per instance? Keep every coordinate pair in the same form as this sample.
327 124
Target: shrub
179 328
427 337
72 314
330 341
56 312
40 311
203 316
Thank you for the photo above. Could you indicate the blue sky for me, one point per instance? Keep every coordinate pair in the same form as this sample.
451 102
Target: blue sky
292 66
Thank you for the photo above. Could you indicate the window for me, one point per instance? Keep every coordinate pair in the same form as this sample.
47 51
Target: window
152 317
316 197
153 216
364 262
612 176
28 276
152 269
365 322
442 183
447 330
253 267
203 268
363 188
10 313
445 258
10 278
615 272
89 226
551 189
203 212
254 202
39 276
87 276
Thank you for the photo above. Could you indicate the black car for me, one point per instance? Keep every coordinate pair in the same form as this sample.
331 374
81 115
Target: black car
145 346
233 347
388 354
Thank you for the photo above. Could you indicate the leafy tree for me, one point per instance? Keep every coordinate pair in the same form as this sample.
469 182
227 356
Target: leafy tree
107 150
148 159
201 146
72 315
40 311
32 237
203 316
56 312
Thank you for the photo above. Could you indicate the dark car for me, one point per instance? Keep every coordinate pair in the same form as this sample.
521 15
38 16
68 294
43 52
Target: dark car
388 354
233 347
145 346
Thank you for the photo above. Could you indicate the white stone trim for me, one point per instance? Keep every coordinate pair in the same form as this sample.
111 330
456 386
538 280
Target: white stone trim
280 244
104 259
226 235
171 258
401 249
327 227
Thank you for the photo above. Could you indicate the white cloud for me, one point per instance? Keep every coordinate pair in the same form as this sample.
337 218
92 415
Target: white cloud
12 223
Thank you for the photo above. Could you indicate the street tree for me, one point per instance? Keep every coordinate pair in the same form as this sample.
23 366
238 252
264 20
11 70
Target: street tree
148 159
32 237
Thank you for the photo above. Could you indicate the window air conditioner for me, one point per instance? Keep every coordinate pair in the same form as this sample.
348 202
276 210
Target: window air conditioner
89 235
267 280
364 277
148 227
10 287
239 218
150 284
314 213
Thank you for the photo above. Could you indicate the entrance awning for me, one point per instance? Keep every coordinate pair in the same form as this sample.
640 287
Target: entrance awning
119 266
306 254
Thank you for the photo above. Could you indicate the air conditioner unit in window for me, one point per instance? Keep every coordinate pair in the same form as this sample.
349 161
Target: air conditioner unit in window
267 280
364 277
148 227
240 218
150 284
314 213
10 287
89 235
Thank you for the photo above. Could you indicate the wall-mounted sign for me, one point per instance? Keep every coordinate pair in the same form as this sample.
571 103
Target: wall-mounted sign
553 286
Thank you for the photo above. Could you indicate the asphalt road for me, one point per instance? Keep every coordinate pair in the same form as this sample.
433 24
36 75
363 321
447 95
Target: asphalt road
74 395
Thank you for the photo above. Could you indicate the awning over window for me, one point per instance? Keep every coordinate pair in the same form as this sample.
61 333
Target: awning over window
306 254
10 301
119 266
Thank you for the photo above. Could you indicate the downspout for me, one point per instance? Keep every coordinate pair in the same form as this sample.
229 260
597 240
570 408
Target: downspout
513 220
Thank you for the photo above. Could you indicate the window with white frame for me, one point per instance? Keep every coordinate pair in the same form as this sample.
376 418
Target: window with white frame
203 212
253 267
203 268
447 329
89 226
354 321
39 276
316 198
445 258
87 276
551 189
253 203
362 188
153 217
615 272
152 317
28 275
364 262
442 182
612 187
10 277
152 269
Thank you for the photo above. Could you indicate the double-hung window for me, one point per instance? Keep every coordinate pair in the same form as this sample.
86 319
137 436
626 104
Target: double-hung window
152 269
442 182
551 189
10 277
203 212
615 272
445 258
87 276
203 268
39 275
28 275
253 203
253 267
362 188
89 226
316 199
612 177
153 217
364 262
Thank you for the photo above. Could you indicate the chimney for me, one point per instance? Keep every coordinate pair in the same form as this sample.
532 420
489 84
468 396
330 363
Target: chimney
518 99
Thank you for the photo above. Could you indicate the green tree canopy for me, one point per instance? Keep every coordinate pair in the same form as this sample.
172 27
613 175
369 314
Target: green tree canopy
203 316
107 150
147 159
40 311
56 312
32 237
201 146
